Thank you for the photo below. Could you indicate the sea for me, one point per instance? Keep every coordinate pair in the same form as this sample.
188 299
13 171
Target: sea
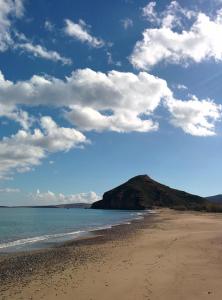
23 229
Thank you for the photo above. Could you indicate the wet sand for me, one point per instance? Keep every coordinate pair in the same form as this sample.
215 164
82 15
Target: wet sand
170 255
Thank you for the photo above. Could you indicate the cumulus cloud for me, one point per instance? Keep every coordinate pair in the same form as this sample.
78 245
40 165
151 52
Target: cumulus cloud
49 197
129 99
85 87
55 138
81 31
195 117
88 119
116 101
22 151
164 43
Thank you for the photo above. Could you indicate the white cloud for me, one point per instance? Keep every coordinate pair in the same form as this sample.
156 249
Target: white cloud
19 7
49 197
17 115
42 52
173 15
195 117
127 23
9 37
22 151
88 119
117 91
9 190
80 31
125 96
116 101
9 10
15 155
149 12
55 138
202 41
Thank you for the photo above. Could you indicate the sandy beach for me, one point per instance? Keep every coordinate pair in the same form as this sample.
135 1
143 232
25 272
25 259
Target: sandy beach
169 255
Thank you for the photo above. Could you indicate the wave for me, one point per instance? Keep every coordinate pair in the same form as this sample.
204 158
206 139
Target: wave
36 239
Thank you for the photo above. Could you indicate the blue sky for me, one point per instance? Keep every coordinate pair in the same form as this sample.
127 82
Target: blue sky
95 92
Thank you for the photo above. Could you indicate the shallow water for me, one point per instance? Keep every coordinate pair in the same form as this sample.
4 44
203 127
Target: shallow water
35 228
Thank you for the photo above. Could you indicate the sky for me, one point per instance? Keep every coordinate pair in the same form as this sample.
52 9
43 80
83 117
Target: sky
93 93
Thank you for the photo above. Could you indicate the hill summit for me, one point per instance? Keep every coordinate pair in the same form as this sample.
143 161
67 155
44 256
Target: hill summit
142 192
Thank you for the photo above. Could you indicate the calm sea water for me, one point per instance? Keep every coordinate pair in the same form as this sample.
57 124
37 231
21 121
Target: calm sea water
34 228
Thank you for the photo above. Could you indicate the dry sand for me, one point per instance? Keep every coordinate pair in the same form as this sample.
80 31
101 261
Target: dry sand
170 256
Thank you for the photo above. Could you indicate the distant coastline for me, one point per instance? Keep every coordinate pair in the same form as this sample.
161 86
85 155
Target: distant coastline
68 205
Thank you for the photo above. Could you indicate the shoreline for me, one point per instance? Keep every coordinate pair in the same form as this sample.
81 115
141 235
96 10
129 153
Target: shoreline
169 255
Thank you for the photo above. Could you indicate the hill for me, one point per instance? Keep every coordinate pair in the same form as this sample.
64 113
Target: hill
142 192
215 199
